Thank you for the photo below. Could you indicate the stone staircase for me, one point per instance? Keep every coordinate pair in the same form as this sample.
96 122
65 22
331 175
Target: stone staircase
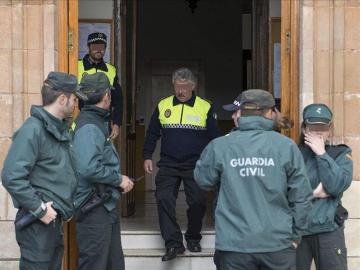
144 249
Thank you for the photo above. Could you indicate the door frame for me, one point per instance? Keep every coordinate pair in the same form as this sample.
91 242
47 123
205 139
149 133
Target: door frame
290 64
67 18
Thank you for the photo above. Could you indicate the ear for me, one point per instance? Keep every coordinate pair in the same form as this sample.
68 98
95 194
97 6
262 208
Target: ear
62 99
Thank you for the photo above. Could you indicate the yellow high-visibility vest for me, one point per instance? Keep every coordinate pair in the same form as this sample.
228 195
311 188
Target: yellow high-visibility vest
111 73
183 115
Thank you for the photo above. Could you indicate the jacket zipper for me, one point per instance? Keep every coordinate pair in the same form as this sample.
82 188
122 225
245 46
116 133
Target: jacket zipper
182 110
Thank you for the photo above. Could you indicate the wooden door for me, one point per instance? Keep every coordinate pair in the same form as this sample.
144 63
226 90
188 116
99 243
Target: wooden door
290 40
127 147
67 17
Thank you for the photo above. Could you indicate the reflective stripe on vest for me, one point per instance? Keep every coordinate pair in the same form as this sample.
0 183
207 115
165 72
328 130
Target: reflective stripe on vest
111 73
183 115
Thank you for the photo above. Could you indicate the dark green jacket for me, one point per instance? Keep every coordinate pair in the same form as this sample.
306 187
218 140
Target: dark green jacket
39 159
97 161
264 197
334 170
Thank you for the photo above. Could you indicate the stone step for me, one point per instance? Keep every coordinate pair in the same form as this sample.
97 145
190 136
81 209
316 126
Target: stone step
152 240
140 259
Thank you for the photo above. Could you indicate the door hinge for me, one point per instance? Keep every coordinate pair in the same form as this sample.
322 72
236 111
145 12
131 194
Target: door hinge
70 41
288 41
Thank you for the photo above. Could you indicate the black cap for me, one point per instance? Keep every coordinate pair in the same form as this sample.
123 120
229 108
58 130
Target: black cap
93 85
233 106
256 99
62 82
97 38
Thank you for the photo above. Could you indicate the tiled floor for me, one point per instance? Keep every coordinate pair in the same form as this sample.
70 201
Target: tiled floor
146 216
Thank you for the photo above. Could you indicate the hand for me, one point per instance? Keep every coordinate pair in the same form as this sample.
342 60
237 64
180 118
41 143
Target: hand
315 142
148 166
115 131
50 214
320 192
126 184
294 245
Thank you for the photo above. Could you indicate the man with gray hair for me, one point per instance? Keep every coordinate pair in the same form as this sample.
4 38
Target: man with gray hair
186 123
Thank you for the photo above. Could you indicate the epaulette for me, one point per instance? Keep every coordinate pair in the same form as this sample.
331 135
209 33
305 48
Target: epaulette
161 99
335 150
207 100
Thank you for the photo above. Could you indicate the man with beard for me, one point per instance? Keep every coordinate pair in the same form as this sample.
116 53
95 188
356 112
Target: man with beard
93 62
38 173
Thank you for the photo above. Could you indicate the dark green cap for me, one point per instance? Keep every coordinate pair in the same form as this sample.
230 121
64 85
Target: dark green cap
94 85
62 82
317 113
256 99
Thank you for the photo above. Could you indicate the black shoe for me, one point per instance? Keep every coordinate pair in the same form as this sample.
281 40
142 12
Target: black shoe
171 253
193 246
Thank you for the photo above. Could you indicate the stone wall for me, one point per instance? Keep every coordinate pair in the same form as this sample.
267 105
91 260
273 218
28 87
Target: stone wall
330 73
27 54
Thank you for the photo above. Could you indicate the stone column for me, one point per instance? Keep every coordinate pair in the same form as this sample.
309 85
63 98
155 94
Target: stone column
27 54
330 73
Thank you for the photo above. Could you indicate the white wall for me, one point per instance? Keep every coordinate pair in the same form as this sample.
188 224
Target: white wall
275 8
96 9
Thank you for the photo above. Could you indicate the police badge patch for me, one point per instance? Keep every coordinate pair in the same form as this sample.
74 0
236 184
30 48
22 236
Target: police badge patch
167 113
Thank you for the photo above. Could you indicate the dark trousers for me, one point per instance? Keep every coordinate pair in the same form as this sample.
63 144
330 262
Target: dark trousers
279 260
327 249
216 259
99 242
41 246
168 181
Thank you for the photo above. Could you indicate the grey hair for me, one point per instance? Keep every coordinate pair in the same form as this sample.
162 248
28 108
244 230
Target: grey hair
183 74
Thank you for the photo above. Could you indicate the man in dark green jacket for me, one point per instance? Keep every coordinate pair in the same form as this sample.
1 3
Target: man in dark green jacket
264 197
38 173
98 166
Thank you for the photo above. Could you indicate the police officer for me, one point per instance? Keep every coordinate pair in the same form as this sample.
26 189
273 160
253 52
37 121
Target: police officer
93 62
264 197
186 123
39 175
98 165
330 169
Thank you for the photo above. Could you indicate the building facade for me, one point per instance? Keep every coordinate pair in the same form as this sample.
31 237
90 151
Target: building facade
329 73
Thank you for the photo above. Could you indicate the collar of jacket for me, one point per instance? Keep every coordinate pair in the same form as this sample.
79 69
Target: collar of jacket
95 110
58 128
190 102
255 123
88 64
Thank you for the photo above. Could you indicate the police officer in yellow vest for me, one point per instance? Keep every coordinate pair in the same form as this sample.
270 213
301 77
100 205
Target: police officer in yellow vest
185 123
93 62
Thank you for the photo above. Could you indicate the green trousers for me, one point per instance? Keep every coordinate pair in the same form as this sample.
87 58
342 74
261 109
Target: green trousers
278 260
327 249
41 246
